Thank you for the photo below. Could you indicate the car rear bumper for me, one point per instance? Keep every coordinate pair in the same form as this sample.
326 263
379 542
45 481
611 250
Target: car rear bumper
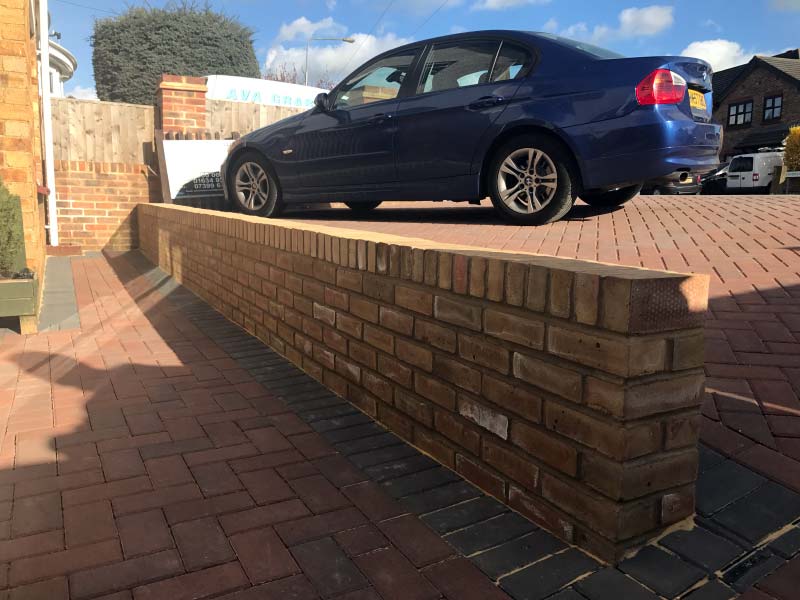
656 143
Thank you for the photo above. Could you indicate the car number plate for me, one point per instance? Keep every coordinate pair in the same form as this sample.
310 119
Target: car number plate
697 100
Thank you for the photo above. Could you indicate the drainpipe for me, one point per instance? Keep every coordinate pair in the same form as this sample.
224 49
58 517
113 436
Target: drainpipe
47 121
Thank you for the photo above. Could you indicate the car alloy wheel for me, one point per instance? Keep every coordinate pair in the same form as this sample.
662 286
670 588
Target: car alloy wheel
527 180
252 186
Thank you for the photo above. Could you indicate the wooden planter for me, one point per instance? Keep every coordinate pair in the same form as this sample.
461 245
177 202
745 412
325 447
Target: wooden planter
18 297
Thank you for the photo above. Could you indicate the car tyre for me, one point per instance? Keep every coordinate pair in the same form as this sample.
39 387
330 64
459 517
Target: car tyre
532 167
253 187
362 207
611 198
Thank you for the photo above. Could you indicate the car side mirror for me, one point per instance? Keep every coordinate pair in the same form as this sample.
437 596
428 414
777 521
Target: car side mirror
321 102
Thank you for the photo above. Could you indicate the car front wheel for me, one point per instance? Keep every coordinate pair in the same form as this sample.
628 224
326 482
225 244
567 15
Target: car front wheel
611 198
531 180
253 187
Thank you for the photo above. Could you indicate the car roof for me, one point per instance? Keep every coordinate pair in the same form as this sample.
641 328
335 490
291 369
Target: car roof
516 34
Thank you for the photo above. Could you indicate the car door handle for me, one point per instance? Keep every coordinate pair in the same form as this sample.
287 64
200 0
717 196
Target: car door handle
380 118
486 102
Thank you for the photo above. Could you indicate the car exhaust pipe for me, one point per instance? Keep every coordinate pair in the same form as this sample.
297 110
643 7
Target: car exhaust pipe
684 177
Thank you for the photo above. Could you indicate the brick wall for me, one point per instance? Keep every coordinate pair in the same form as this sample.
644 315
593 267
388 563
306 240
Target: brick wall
20 141
181 105
97 202
568 389
758 84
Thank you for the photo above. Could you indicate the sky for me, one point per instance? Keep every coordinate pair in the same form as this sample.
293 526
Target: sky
724 32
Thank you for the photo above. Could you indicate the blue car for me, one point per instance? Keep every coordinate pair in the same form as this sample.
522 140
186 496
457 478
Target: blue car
531 120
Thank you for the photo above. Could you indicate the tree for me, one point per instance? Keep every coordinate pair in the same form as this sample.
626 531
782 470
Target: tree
792 154
133 50
12 248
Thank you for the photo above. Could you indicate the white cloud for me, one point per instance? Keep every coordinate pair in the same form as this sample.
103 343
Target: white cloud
551 26
82 93
504 4
721 54
713 25
650 20
330 4
632 22
302 29
332 61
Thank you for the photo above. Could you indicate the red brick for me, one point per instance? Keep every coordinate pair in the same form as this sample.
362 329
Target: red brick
193 586
105 491
459 578
266 486
124 575
40 543
263 556
122 464
35 514
168 470
225 434
457 312
318 494
202 457
201 543
317 526
268 439
784 582
361 540
215 479
155 499
26 570
517 468
482 477
370 498
144 533
312 445
88 523
51 589
394 577
414 539
545 447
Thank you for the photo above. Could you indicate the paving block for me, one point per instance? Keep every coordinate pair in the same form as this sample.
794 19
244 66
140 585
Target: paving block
546 577
664 573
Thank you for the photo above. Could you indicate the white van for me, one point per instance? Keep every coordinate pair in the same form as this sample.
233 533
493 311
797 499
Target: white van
752 173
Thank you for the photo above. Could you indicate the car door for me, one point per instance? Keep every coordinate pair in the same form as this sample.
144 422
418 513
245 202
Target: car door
351 142
462 89
740 172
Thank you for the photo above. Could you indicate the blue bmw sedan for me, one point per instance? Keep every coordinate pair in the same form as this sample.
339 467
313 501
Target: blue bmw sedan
531 120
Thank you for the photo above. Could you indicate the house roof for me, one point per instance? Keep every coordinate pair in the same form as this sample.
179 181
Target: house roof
786 64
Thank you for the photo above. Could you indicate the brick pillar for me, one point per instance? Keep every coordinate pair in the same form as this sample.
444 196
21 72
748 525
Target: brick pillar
181 105
20 135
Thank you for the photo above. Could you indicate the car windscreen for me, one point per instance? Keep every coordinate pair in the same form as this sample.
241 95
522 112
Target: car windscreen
741 164
594 51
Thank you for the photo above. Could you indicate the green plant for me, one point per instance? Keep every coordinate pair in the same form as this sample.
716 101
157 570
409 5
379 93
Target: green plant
12 243
791 157
131 52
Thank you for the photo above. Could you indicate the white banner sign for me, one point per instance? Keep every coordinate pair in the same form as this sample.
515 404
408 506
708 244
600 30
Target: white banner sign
261 91
193 167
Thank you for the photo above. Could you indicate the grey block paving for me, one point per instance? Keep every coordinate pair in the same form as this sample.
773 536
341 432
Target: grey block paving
760 513
707 550
548 576
489 533
518 553
464 514
753 568
440 497
610 584
664 573
788 544
724 484
59 305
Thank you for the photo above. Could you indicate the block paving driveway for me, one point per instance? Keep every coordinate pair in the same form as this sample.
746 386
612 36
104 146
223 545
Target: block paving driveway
749 245
159 452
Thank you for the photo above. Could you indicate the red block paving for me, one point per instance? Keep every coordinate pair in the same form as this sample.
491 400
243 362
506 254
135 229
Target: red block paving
138 461
749 245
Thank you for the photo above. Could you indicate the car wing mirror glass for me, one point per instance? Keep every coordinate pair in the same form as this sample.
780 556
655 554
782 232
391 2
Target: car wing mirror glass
321 102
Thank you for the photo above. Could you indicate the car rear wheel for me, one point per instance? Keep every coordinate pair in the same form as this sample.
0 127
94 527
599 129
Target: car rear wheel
362 207
531 180
253 187
611 198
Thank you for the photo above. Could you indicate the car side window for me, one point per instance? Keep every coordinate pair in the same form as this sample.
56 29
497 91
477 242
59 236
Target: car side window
451 66
512 62
379 81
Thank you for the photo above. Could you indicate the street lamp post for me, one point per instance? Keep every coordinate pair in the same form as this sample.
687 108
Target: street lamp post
316 39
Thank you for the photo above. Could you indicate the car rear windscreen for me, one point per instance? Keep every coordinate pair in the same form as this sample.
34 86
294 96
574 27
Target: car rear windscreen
741 164
590 49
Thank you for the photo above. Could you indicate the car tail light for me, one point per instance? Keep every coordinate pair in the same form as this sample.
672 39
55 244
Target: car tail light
755 176
662 86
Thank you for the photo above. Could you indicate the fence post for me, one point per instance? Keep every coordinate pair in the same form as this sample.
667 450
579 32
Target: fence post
181 105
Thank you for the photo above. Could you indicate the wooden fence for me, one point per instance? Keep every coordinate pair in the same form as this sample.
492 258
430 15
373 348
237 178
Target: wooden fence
228 118
105 132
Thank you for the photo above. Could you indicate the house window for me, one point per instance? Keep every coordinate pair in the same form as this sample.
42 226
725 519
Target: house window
772 107
740 114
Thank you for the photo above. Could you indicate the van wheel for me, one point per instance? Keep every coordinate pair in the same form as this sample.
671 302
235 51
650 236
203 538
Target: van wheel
253 187
362 207
612 197
532 180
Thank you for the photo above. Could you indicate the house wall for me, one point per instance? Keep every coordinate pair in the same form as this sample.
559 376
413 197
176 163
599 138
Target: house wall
20 136
755 86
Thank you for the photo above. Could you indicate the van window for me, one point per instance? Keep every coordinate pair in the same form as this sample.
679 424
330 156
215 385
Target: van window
741 164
